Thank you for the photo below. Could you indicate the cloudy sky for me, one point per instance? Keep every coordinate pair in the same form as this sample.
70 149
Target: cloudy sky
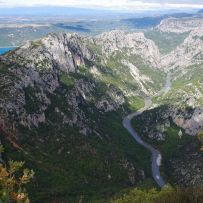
108 4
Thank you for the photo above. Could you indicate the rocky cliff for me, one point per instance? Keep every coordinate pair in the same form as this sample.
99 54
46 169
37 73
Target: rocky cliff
39 68
188 53
63 98
176 117
61 107
180 25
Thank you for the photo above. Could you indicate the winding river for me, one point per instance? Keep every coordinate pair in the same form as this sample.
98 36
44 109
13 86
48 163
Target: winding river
156 155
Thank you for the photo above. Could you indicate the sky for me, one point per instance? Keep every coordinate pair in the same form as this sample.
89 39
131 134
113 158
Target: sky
108 4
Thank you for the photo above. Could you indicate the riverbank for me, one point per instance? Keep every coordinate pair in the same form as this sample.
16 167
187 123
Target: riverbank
156 155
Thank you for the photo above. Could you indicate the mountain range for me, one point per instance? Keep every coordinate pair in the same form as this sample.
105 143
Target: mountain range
63 98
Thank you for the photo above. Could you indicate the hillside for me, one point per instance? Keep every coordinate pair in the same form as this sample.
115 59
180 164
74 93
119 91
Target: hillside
176 117
63 98
62 102
180 25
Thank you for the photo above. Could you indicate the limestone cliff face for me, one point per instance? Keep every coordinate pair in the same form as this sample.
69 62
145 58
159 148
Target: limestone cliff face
185 63
131 44
34 72
188 53
181 25
192 123
40 68
66 51
62 99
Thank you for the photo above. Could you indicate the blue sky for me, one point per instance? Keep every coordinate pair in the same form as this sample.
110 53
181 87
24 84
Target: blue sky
108 4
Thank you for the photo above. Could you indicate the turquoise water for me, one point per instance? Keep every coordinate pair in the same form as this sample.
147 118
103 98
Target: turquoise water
5 49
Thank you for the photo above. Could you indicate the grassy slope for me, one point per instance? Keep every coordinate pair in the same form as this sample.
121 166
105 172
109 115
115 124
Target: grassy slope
81 168
166 42
167 195
172 146
75 166
185 86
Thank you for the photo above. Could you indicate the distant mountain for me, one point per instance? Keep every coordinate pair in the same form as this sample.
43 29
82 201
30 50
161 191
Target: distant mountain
76 28
180 25
149 22
145 22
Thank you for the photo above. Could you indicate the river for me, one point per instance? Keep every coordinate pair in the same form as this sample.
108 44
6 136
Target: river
156 155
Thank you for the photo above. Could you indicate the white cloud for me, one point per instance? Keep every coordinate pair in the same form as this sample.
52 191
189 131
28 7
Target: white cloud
108 4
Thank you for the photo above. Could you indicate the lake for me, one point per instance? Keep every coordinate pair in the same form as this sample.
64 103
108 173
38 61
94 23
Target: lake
5 49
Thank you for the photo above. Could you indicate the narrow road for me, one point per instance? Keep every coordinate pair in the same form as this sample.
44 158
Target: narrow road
156 155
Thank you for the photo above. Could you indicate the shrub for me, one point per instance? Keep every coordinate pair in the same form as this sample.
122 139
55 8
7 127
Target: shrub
13 179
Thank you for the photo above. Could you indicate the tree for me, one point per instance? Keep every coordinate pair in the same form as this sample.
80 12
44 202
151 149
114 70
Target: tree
13 179
200 137
167 194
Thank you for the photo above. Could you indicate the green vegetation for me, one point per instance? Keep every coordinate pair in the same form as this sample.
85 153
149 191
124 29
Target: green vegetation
13 179
92 167
166 195
35 44
77 166
67 80
135 103
200 137
166 42
173 145
193 75
117 74
73 167
189 83
3 68
43 65
157 76
32 104
175 139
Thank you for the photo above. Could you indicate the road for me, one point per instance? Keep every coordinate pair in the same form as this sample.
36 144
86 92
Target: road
156 155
